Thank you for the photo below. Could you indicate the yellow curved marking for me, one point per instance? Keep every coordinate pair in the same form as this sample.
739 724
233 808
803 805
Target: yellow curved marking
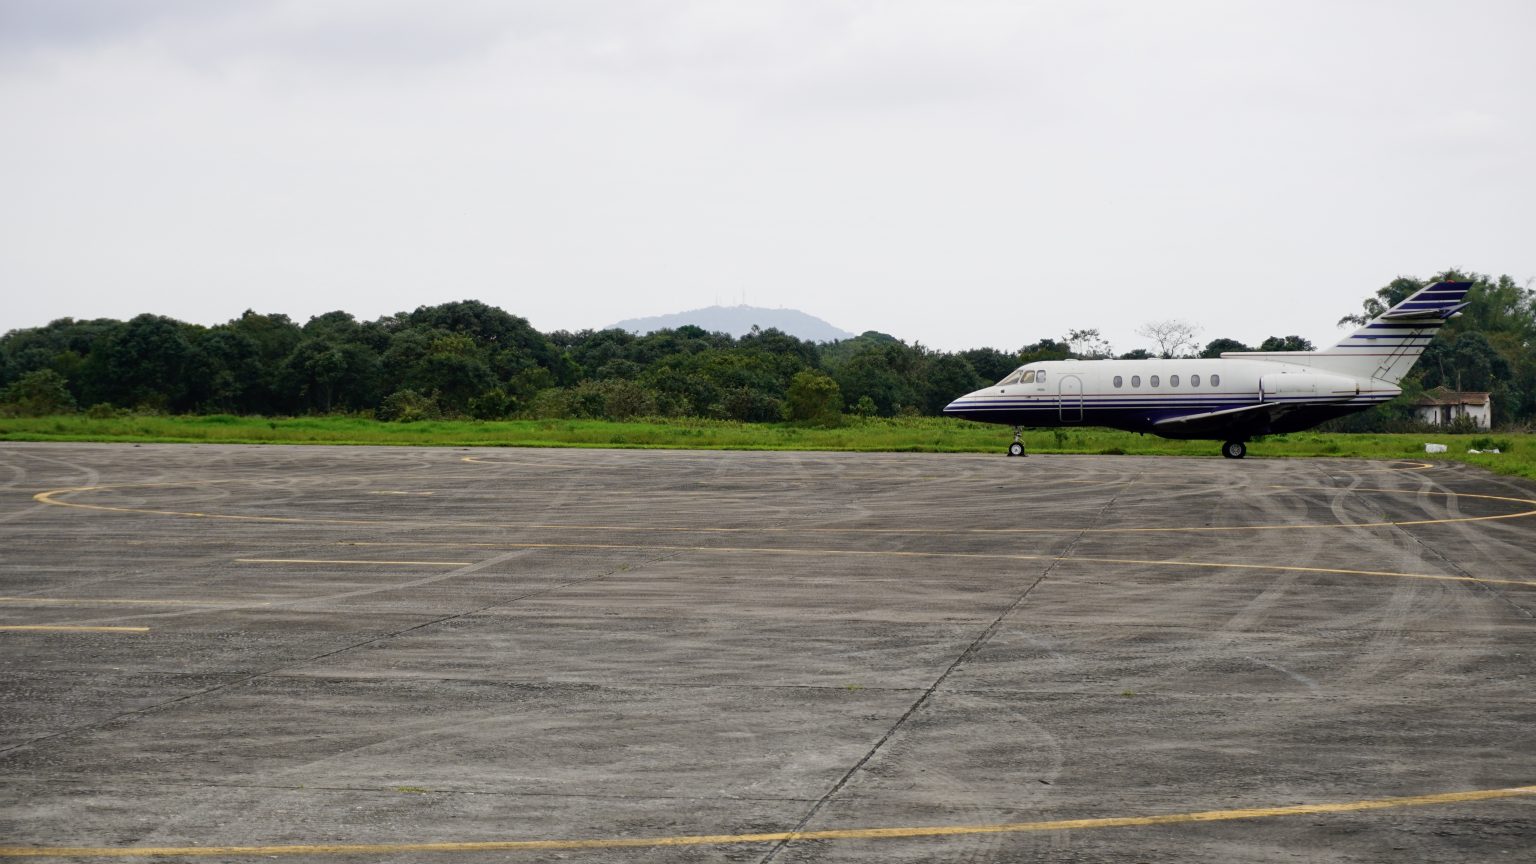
984 556
123 601
71 628
1407 465
49 498
772 837
349 561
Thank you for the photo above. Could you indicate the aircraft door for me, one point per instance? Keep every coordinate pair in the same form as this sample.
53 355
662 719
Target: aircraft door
1071 398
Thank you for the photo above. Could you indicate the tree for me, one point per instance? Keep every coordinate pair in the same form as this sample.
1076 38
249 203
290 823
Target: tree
813 397
1216 347
1089 345
876 371
990 363
324 375
1045 349
1490 346
1286 343
146 362
948 376
1386 297
1172 338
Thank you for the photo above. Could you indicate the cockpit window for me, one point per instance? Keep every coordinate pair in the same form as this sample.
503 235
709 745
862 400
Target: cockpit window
1013 378
1029 377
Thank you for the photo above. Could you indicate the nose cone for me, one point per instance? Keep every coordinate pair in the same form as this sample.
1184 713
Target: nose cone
965 406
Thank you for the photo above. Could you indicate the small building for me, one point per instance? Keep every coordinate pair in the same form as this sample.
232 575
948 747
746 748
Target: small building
1439 407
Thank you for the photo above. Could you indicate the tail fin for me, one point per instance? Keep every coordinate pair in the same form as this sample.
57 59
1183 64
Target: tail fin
1387 347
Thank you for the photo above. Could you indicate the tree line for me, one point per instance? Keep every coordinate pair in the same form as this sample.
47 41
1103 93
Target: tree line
469 359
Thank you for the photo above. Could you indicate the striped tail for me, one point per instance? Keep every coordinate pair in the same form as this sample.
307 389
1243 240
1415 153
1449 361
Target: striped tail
1388 346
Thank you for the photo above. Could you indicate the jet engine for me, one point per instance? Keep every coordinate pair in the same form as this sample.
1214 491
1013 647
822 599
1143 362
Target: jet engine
1291 385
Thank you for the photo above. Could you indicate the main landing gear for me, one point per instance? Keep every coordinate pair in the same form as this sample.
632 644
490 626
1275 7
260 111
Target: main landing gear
1234 449
1017 447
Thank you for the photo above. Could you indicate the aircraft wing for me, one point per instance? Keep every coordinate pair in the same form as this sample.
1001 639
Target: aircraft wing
1247 416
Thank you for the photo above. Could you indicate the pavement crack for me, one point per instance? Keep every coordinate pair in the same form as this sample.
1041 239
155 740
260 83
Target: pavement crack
246 679
927 695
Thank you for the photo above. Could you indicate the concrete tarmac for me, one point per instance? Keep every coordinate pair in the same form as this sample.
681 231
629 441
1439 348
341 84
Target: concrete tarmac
399 654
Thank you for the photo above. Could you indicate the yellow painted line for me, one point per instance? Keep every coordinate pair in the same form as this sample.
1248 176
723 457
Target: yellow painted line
397 492
50 498
984 556
70 628
121 601
350 561
773 837
1405 466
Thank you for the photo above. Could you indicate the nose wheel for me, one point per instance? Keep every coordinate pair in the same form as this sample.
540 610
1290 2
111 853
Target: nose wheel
1234 449
1017 447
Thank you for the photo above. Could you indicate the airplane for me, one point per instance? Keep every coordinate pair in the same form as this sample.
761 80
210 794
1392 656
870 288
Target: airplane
1234 399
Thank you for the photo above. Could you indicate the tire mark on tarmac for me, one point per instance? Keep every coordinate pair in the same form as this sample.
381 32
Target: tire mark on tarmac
90 475
554 502
1450 564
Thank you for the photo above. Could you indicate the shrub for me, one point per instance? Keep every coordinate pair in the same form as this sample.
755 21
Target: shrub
813 397
1462 424
623 400
39 393
406 406
750 406
1486 443
554 403
493 404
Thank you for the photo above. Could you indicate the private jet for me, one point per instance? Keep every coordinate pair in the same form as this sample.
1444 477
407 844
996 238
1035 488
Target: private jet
1234 399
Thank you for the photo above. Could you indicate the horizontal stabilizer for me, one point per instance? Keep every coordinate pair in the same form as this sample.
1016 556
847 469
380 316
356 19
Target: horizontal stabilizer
1416 314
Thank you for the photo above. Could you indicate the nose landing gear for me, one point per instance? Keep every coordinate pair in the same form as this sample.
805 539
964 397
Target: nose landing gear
1017 447
1234 449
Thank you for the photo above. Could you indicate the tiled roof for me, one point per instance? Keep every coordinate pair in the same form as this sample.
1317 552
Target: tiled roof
1442 396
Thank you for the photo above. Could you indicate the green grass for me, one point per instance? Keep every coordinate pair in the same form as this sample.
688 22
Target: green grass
913 435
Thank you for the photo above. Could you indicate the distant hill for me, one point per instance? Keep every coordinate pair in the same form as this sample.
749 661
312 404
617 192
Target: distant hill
738 321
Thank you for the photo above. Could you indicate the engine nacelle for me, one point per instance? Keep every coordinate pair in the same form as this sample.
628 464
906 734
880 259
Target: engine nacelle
1291 385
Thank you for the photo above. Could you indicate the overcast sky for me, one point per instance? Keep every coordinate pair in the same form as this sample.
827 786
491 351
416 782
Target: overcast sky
955 173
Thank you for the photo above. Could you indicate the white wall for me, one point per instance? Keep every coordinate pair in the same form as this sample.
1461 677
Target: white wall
1438 414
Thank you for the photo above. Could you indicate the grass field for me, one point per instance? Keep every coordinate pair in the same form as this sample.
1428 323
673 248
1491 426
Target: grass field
927 434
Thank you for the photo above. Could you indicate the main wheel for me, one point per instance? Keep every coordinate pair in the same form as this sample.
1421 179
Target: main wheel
1234 449
1015 449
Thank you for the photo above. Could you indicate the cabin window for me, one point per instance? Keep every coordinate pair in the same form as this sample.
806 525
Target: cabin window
1215 380
1029 377
1194 380
1135 380
1173 380
1040 379
1153 382
1119 381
